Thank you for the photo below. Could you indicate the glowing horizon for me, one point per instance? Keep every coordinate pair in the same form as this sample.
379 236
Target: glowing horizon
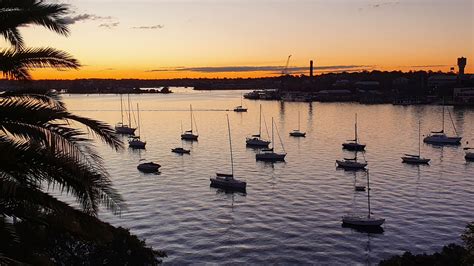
229 38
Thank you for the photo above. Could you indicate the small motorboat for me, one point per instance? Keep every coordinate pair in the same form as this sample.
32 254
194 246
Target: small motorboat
297 133
134 142
240 109
149 167
469 154
353 144
228 182
359 188
351 164
181 150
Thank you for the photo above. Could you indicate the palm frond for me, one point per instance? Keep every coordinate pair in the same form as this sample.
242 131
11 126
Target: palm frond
26 111
14 14
46 96
17 63
32 165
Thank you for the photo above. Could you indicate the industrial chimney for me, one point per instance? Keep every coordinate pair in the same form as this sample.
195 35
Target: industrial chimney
311 68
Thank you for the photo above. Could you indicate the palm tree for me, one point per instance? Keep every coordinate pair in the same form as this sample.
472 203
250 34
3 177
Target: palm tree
40 145
16 61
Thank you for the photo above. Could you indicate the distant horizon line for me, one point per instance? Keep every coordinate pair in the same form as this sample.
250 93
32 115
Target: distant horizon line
298 75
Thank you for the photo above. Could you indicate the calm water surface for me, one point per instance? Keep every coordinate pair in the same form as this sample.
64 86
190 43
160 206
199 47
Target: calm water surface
292 211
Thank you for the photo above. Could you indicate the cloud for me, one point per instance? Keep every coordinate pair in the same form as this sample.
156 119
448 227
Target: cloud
83 17
422 66
388 3
379 4
109 25
154 27
275 69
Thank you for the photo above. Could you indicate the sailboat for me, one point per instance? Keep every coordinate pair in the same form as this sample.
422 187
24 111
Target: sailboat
297 132
440 138
351 163
416 159
363 220
181 150
270 154
256 140
135 142
120 127
469 153
189 135
240 108
354 145
227 181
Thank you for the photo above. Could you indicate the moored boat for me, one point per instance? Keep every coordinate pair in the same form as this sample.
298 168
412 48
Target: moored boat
354 145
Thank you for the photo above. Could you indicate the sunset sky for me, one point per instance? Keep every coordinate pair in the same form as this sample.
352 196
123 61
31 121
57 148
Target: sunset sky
245 38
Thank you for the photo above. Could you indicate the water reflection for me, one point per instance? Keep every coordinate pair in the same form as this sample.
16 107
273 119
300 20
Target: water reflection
292 214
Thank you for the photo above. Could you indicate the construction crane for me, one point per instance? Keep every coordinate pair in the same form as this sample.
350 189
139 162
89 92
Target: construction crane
285 70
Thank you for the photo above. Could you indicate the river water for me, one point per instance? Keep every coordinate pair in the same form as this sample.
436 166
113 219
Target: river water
292 210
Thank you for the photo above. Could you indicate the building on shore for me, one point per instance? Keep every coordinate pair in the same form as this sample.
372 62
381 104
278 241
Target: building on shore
463 96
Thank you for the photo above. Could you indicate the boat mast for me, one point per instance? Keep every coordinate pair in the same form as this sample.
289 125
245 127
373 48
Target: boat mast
129 112
191 111
230 144
355 128
121 108
273 142
260 123
298 120
241 100
443 119
368 193
138 114
419 139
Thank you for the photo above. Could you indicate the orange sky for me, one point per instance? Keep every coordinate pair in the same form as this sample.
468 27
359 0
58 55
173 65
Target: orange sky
130 39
